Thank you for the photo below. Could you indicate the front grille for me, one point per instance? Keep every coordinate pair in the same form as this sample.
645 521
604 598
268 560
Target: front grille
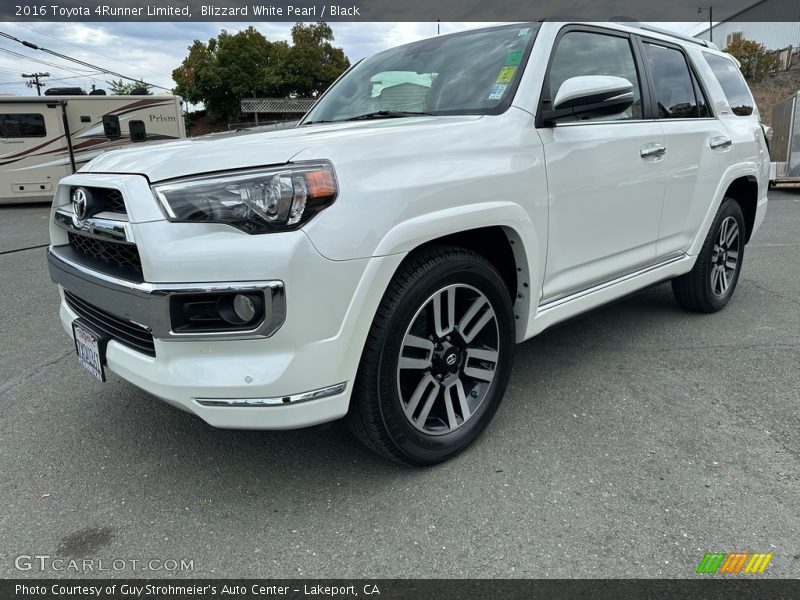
113 201
123 256
118 329
106 199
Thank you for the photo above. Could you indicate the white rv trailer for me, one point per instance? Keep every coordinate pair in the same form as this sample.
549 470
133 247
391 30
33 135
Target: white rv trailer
43 139
785 146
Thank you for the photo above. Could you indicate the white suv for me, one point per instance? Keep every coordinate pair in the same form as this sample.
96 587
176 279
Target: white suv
443 201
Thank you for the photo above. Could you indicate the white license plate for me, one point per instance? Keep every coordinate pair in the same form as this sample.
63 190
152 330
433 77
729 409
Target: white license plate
87 346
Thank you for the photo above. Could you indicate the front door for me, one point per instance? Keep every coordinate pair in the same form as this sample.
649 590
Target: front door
605 176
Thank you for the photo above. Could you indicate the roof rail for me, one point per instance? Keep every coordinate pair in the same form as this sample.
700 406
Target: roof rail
686 38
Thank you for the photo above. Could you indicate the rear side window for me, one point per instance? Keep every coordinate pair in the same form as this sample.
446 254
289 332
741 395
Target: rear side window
22 126
678 96
733 84
582 53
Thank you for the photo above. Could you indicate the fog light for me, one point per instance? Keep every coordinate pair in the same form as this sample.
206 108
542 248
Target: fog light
240 309
244 307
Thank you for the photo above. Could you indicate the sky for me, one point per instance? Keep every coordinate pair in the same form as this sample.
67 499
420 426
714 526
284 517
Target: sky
151 51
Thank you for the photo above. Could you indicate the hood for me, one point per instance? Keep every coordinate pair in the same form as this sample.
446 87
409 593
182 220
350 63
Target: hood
248 150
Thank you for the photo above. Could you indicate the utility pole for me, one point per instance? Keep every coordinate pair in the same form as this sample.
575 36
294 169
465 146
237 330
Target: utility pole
33 81
710 10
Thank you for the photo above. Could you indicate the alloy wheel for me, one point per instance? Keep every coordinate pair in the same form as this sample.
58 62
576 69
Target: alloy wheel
448 359
725 256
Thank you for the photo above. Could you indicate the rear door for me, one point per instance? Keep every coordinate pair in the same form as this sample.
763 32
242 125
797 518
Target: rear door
605 176
698 145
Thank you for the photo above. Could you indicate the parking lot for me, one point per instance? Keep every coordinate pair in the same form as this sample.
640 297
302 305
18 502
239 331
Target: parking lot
632 441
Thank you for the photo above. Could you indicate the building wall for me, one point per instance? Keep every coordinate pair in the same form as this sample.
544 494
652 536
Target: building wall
773 35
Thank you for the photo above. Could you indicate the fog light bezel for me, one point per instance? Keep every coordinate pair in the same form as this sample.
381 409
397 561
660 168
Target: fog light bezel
270 307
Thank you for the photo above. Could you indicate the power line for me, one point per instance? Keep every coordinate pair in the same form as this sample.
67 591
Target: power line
78 61
85 49
40 61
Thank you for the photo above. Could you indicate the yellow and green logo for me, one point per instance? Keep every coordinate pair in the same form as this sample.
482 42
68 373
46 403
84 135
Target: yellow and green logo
734 562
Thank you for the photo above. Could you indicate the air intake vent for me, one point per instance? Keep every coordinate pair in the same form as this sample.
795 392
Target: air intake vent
125 332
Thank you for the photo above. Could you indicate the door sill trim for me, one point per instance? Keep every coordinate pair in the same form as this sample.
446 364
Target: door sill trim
564 298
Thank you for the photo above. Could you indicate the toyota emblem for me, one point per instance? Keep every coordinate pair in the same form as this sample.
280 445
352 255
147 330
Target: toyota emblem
80 203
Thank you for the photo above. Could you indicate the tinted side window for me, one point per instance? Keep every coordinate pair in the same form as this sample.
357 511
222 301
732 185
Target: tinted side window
138 131
111 127
702 102
733 84
675 90
22 125
581 53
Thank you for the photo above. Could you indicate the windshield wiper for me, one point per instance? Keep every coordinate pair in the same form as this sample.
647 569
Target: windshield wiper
388 114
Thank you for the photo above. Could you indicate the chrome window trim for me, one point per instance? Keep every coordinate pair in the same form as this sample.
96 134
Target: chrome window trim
147 304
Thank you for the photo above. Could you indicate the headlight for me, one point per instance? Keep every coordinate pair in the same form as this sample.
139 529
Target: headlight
255 201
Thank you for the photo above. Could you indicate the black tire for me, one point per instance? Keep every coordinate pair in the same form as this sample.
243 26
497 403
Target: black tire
698 290
377 414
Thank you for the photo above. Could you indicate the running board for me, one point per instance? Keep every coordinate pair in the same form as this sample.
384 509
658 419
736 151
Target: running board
576 303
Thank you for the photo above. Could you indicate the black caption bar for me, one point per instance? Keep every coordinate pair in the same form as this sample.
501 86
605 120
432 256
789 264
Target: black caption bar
391 10
389 589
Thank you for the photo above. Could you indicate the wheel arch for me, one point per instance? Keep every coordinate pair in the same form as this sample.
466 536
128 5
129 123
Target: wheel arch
745 191
742 183
504 248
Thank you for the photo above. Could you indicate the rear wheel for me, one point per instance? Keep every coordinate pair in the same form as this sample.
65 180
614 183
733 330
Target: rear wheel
708 287
437 359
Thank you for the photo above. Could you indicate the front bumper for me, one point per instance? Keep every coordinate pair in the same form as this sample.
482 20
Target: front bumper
298 375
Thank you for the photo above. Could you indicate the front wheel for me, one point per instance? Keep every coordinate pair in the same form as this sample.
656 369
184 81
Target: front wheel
708 287
437 359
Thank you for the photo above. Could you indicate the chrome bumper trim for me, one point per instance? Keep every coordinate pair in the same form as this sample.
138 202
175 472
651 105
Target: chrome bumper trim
95 227
148 303
332 390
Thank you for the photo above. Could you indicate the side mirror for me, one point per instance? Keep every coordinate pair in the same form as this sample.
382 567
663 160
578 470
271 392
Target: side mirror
591 96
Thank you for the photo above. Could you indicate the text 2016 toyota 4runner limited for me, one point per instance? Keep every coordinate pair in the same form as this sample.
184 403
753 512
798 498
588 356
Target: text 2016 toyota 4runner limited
441 202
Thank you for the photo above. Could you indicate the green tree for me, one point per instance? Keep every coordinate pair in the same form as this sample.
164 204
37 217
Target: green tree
756 60
120 87
245 64
313 63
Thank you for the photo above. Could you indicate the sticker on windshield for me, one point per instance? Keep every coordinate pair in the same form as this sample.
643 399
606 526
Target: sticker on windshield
514 58
497 91
524 31
506 74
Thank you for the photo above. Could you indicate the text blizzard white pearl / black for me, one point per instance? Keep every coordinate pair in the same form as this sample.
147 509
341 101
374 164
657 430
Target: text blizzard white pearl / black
269 10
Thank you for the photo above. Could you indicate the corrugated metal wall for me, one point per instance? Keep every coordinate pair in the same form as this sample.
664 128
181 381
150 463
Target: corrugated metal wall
772 35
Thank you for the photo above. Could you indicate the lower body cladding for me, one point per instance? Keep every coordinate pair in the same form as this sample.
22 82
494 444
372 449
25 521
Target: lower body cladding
294 370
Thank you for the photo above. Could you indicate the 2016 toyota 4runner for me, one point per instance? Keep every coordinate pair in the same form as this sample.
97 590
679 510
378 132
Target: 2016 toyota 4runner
441 202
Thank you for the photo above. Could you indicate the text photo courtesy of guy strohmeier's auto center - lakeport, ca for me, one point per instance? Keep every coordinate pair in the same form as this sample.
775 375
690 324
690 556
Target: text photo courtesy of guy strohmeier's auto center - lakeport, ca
392 300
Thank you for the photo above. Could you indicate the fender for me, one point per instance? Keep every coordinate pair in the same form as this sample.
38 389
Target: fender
528 245
731 174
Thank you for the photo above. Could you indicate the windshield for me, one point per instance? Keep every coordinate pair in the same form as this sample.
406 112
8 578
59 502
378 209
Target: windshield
474 72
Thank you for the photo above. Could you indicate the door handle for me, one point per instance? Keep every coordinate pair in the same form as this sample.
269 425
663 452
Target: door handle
718 143
654 150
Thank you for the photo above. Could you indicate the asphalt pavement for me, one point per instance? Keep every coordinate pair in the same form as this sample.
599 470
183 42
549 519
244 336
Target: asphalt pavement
631 441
